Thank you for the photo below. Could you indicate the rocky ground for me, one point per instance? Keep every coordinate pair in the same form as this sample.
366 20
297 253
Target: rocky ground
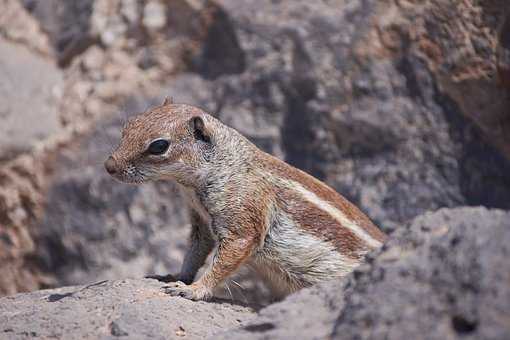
131 309
402 106
445 276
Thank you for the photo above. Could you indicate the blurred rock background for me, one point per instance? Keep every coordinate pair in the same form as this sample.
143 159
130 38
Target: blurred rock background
402 106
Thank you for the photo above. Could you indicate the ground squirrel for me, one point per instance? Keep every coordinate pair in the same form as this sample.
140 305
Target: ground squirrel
246 205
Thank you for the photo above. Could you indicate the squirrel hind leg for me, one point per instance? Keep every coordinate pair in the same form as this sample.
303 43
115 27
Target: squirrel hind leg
279 282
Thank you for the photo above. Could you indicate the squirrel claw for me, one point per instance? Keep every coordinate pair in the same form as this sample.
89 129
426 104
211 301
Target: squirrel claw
191 292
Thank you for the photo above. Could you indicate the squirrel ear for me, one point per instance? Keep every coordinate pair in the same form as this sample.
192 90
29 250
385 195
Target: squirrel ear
199 130
168 101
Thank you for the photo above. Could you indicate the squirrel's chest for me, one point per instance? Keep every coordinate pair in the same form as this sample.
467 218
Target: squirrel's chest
195 204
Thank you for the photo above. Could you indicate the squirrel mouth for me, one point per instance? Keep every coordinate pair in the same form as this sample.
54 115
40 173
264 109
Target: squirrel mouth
130 176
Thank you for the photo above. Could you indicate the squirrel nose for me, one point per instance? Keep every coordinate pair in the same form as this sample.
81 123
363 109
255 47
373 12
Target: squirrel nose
110 165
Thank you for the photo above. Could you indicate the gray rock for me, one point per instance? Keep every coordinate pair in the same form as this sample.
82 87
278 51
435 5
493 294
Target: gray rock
131 309
67 24
443 277
154 15
318 86
308 83
18 25
27 81
383 100
307 314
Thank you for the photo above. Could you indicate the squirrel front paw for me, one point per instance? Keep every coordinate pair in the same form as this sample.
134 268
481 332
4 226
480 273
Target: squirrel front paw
191 292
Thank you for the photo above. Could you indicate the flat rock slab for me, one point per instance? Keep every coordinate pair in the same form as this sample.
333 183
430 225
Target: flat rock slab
131 309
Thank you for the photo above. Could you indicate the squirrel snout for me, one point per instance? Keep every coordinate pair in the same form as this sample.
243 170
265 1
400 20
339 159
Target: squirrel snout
110 165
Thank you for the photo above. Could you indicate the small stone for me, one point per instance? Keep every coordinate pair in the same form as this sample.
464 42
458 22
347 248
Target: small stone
114 32
115 330
180 331
83 89
106 90
154 16
94 58
130 10
137 214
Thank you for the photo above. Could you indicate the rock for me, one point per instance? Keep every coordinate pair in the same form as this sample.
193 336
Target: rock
17 24
66 23
350 93
313 84
154 15
29 116
130 309
24 88
307 314
443 277
131 10
220 52
471 75
367 95
503 56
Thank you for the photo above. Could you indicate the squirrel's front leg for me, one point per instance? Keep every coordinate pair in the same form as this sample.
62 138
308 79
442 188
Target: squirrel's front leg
201 245
232 250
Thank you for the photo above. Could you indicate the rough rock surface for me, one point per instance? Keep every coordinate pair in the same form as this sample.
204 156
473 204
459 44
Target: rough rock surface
307 314
28 81
347 92
443 277
95 83
396 104
18 25
30 88
21 182
369 119
130 309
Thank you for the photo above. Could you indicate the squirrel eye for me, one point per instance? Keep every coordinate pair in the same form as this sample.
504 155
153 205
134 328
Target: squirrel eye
158 147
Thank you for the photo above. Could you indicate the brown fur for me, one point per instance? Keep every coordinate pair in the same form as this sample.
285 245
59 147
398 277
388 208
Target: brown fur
320 224
284 170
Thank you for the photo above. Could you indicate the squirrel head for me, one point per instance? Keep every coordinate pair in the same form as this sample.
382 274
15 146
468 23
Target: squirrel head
172 141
